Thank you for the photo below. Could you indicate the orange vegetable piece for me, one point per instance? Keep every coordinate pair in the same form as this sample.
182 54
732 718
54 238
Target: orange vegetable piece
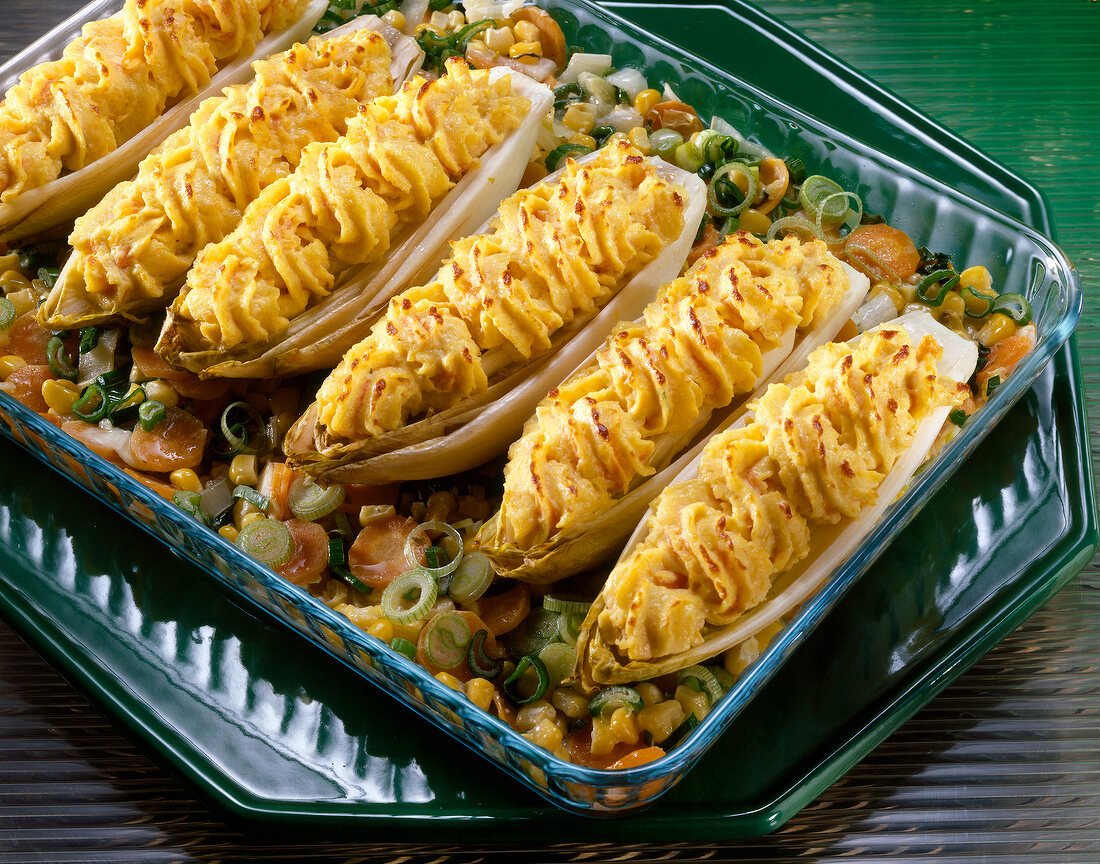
164 490
281 478
310 557
674 115
27 339
502 613
882 252
25 384
1003 359
190 386
377 556
357 495
641 756
176 442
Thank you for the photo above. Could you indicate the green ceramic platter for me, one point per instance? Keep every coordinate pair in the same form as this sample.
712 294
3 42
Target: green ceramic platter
274 733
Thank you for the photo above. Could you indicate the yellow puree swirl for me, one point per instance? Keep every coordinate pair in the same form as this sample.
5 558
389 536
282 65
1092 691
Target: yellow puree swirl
118 77
339 208
816 452
698 346
137 244
552 253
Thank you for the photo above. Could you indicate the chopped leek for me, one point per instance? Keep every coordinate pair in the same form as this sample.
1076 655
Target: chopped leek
268 541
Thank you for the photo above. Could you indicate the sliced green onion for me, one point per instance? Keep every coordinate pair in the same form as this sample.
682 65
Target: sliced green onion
663 142
189 502
126 408
236 434
688 158
723 676
818 197
481 664
681 732
604 703
89 338
310 501
560 153
713 146
511 684
558 658
247 493
7 313
1015 306
446 640
976 305
113 378
602 133
268 541
343 526
850 217
958 417
569 626
992 384
946 279
409 597
794 223
702 680
345 575
722 176
403 646
418 540
60 363
796 170
472 578
336 555
554 603
150 413
93 404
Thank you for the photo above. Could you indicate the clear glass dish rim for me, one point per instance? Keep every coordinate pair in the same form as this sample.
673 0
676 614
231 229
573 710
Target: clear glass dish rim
676 762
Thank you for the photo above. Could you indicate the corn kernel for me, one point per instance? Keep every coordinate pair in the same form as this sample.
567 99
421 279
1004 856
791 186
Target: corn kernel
410 631
395 19
10 363
640 139
615 137
579 117
569 702
369 513
450 680
480 692
185 480
12 281
546 734
60 396
529 715
526 52
242 470
583 140
249 518
525 31
162 392
952 305
662 719
645 101
381 628
737 659
23 301
229 532
754 221
9 262
890 291
603 740
441 505
692 702
650 692
624 725
499 39
976 278
997 328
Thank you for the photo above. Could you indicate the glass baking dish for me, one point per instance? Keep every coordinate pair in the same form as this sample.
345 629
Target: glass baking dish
1019 259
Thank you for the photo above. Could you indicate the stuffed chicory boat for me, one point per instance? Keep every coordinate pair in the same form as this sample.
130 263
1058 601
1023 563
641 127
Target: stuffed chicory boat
72 128
447 377
132 251
773 504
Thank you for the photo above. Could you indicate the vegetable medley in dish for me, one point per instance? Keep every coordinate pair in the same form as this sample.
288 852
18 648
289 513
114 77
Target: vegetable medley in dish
493 579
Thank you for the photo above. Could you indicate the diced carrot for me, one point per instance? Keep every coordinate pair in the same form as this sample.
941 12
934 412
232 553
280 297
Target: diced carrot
275 484
1003 359
28 339
176 442
358 495
25 384
641 756
882 252
310 557
502 613
377 556
163 489
579 746
190 386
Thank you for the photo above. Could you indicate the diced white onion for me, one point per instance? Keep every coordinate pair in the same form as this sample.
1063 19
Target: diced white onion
623 118
878 310
478 9
414 11
600 93
668 94
630 80
744 145
595 64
